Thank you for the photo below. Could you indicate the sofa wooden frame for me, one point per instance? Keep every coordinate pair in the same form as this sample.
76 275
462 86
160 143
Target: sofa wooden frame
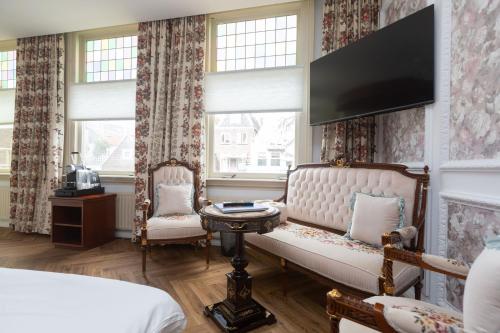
385 280
148 210
372 315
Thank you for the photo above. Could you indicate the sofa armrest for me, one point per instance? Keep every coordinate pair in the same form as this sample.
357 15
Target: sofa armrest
280 199
354 309
399 236
204 202
427 261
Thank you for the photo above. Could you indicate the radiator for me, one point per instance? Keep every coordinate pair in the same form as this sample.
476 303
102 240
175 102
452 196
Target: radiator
4 203
125 210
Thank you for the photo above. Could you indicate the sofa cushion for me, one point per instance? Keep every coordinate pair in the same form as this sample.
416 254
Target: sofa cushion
372 216
173 227
322 195
350 262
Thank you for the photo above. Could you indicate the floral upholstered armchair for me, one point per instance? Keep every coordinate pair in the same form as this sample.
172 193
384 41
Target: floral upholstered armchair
481 310
170 215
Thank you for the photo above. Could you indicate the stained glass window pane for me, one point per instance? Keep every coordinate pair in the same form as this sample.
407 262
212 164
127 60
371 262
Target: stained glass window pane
7 69
111 59
256 43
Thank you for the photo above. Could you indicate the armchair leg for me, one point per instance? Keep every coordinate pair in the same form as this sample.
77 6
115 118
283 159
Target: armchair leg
207 253
284 269
418 290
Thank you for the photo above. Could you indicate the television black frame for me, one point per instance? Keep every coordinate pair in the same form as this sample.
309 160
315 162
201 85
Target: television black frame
397 108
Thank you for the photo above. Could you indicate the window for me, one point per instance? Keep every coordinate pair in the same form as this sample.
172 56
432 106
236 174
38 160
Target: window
101 99
111 59
257 50
5 146
262 159
107 145
262 43
275 159
7 69
225 138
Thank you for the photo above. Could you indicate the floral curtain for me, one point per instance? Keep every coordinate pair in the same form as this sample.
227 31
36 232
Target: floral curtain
37 148
169 98
345 21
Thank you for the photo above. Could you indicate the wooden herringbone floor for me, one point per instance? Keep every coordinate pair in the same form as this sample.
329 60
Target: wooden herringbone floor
179 270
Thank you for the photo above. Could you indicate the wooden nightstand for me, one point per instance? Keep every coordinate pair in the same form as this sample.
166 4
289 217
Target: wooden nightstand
83 222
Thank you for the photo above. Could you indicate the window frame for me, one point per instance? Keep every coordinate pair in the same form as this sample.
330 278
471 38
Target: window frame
8 45
75 74
305 43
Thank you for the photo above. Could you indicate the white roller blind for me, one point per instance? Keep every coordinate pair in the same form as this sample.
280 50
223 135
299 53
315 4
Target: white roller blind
106 100
7 105
260 90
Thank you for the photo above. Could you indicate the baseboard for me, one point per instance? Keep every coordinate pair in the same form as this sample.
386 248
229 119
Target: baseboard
4 223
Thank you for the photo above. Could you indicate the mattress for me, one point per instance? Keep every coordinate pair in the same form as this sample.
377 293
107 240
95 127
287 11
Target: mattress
34 301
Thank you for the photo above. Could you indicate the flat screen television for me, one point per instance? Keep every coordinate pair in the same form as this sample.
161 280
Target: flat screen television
389 70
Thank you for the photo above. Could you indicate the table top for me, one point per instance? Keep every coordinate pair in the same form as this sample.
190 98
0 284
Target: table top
260 222
212 212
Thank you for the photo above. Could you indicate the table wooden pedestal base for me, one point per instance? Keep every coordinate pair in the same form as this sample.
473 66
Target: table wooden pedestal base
239 312
251 318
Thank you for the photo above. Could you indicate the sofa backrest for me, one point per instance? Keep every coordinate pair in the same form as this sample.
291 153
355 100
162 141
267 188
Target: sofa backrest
320 194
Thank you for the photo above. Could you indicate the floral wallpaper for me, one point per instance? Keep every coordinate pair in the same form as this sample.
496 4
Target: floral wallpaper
404 131
475 83
404 136
468 229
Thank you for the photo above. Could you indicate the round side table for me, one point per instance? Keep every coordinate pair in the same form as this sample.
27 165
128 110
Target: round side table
239 312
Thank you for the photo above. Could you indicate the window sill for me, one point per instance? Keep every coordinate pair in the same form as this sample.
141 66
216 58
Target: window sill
253 183
123 179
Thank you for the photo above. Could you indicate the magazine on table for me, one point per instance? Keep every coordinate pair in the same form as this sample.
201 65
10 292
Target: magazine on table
239 207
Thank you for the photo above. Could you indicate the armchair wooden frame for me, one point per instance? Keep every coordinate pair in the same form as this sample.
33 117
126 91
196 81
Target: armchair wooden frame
148 210
341 306
416 243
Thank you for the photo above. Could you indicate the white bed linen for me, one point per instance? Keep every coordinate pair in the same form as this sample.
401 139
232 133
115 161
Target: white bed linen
34 301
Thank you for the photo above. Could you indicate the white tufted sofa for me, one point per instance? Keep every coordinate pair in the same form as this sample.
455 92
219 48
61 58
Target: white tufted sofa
317 212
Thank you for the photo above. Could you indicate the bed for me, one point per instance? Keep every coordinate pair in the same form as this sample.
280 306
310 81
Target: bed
34 301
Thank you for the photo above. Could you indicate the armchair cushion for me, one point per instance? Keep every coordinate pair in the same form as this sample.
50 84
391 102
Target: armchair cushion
449 265
482 291
174 199
373 216
413 316
173 227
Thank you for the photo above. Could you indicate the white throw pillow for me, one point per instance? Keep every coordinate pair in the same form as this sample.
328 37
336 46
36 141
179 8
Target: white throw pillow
174 199
482 291
372 216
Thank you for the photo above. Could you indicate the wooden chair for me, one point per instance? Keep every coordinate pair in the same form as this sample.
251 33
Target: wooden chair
390 314
175 229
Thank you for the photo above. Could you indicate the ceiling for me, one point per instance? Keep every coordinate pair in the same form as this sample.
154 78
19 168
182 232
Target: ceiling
26 18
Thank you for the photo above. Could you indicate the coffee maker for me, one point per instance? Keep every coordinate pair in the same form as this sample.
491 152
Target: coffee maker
79 180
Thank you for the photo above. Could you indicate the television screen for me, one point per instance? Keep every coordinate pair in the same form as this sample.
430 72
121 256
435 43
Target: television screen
389 70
